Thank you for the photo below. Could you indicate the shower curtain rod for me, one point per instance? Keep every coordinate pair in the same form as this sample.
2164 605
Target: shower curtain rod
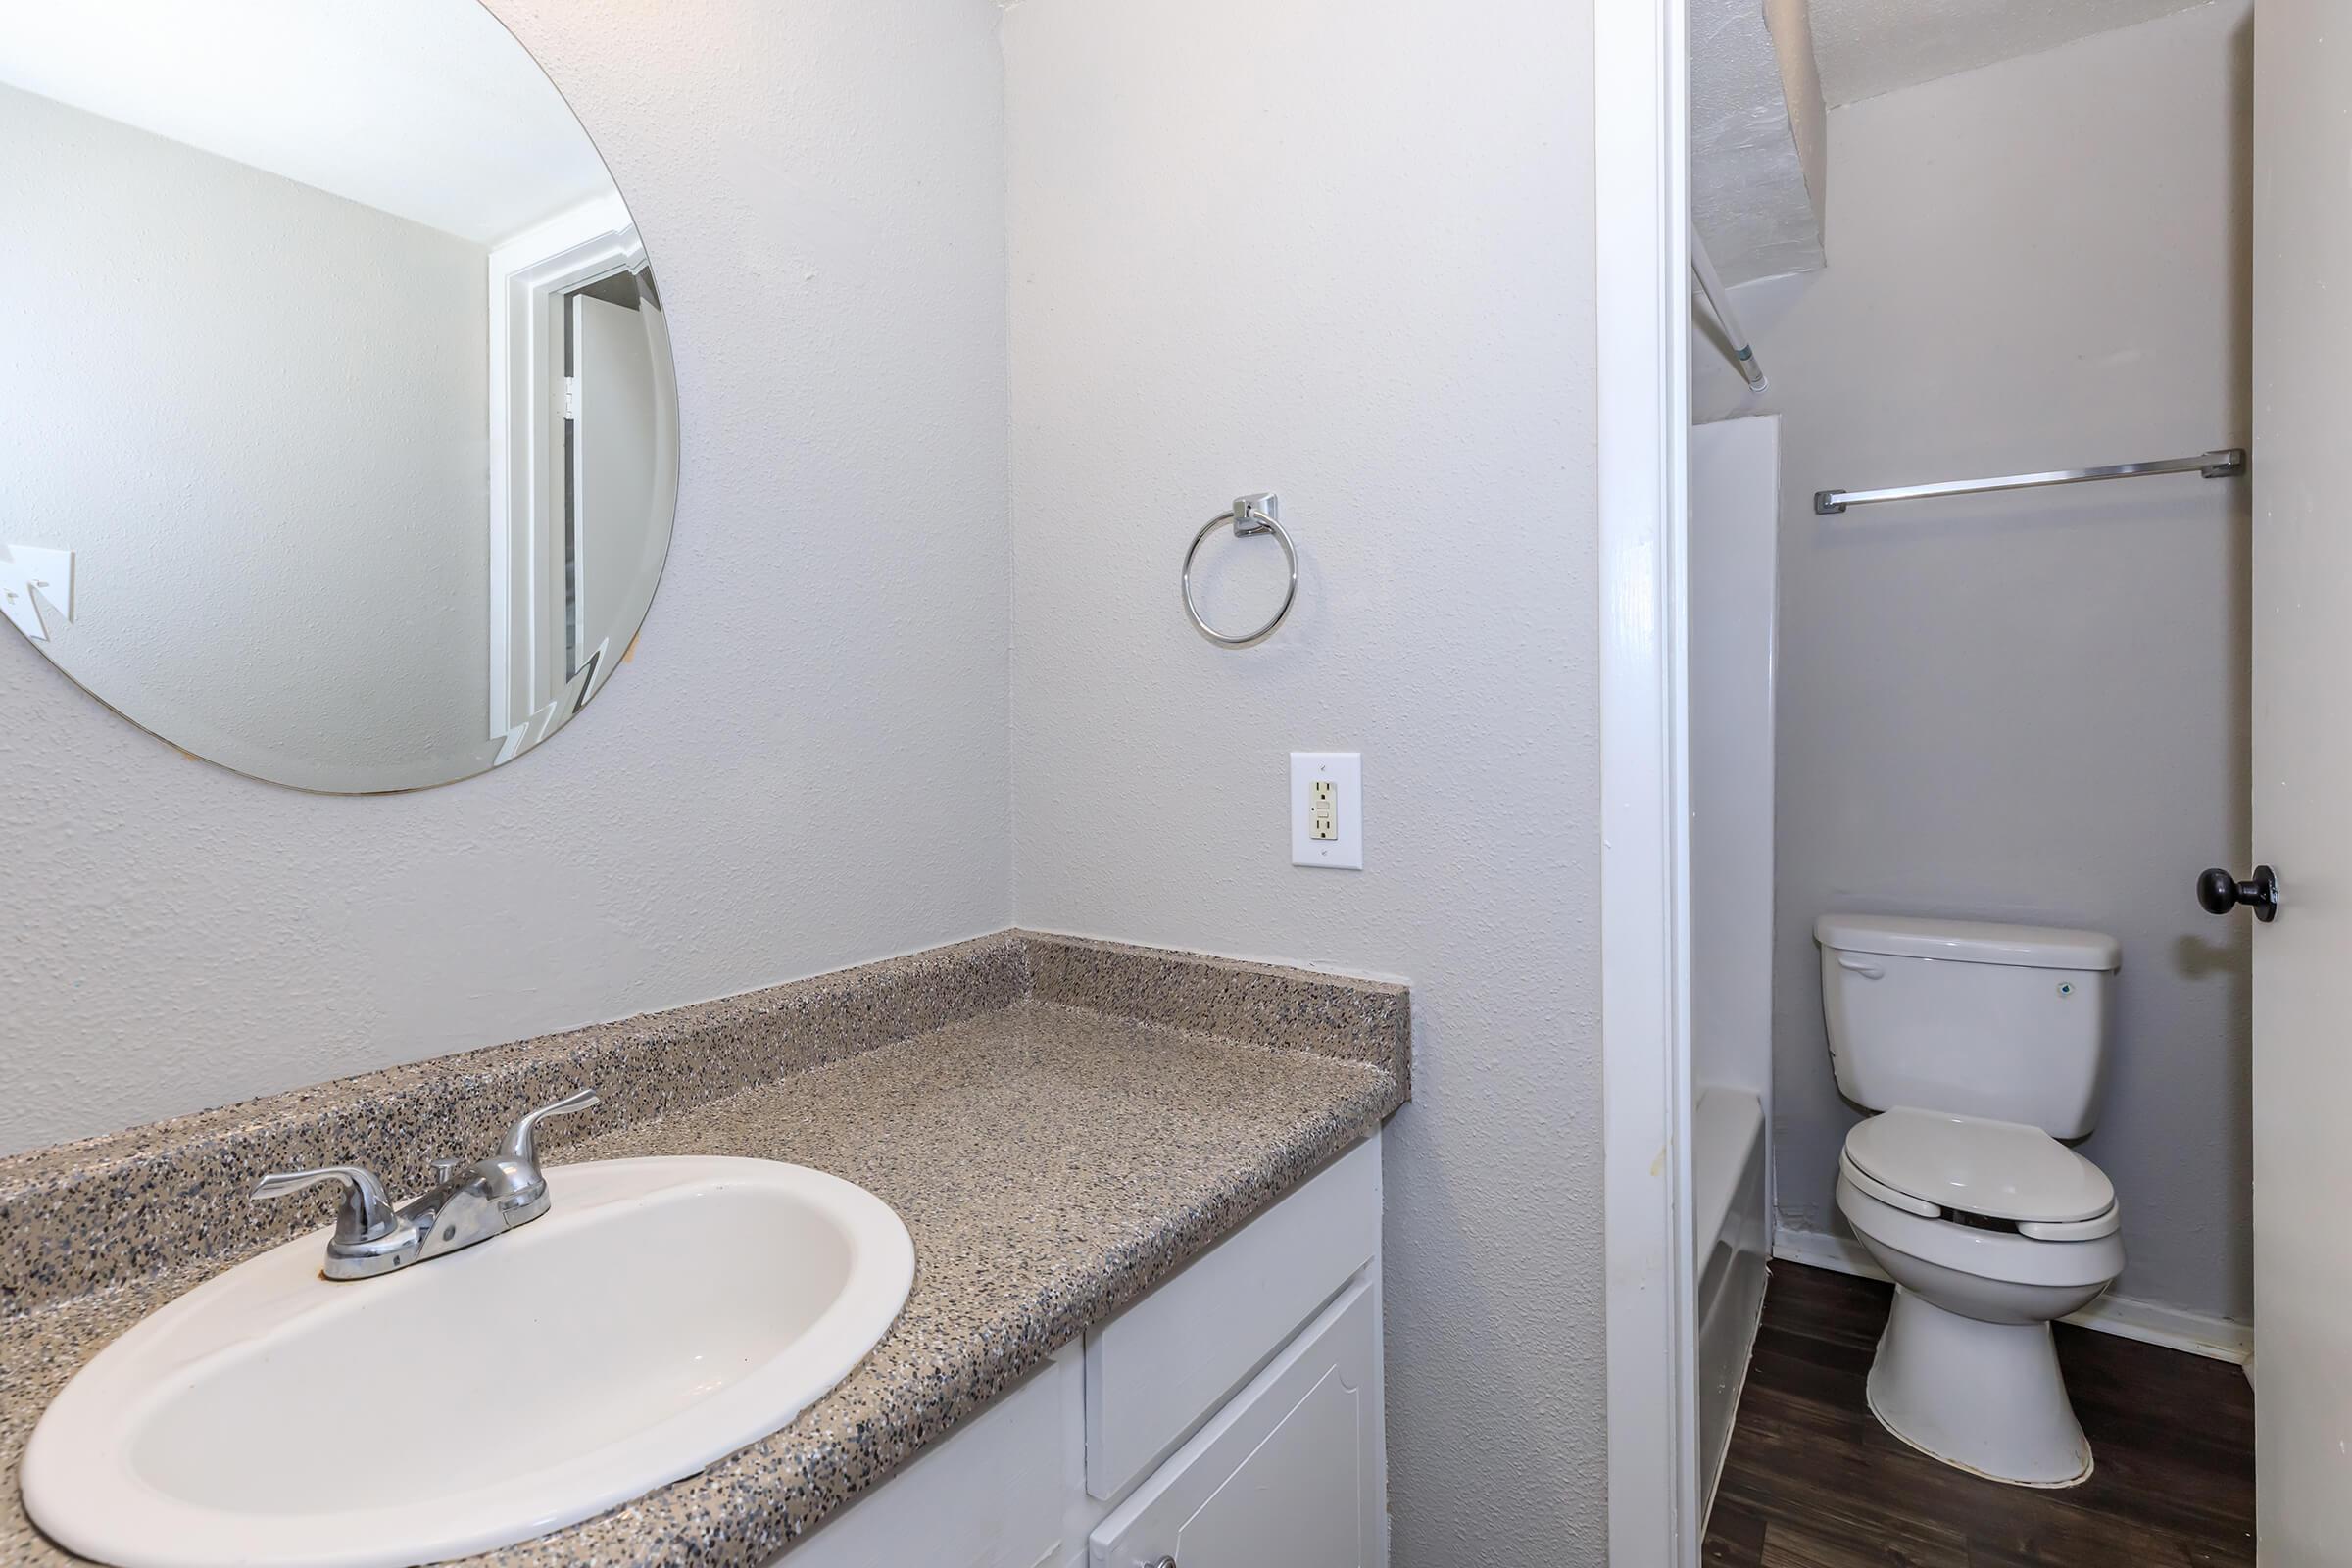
2223 464
1743 353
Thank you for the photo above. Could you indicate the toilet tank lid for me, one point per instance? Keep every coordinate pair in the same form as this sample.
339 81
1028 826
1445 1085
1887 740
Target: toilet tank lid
2026 947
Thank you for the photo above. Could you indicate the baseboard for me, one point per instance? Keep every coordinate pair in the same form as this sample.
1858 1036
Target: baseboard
1840 1254
2151 1322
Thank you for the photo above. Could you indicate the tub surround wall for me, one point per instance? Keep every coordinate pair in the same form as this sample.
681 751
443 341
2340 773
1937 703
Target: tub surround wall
1733 597
1051 1162
2029 707
1733 528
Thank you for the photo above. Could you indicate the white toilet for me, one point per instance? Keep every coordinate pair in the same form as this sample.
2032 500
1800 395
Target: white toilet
1981 1045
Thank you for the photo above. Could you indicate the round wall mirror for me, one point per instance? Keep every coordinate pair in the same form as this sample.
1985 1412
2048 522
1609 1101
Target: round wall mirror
338 429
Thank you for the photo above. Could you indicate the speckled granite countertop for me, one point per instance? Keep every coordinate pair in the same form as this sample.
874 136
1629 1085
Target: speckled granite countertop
1051 1161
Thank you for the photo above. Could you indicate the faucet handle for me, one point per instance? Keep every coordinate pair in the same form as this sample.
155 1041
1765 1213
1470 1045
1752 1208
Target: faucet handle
513 1174
521 1145
367 1214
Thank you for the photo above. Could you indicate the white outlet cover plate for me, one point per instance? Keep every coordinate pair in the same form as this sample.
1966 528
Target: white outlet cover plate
1345 769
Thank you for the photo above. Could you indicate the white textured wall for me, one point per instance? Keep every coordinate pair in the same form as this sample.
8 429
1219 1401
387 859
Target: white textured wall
257 414
1869 47
2029 707
805 766
1341 249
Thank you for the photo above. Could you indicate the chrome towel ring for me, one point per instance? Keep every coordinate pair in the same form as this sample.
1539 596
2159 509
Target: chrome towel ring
1250 515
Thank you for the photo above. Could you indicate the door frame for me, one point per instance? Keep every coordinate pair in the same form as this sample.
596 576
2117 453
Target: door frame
1641 211
529 277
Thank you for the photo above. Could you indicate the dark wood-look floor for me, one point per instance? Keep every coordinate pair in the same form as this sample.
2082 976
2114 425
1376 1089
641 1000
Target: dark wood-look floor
1813 1481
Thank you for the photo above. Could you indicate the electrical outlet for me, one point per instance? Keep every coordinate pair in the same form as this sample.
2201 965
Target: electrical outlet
1327 810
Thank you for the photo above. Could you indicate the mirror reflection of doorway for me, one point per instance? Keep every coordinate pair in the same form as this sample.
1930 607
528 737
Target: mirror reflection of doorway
609 468
581 345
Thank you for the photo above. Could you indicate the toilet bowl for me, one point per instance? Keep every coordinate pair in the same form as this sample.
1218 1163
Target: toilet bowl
1991 1231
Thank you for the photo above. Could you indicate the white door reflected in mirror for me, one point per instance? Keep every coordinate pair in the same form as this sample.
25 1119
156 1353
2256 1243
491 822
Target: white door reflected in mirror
339 439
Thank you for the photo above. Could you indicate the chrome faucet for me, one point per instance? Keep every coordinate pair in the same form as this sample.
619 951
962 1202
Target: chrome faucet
465 1204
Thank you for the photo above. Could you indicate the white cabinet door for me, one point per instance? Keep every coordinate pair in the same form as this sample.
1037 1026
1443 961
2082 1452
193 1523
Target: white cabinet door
1289 1475
1157 1371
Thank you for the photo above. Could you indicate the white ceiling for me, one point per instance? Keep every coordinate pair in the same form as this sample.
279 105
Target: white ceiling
1869 47
426 108
1756 184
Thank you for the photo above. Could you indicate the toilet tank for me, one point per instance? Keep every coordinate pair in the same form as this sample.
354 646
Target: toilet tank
2004 1021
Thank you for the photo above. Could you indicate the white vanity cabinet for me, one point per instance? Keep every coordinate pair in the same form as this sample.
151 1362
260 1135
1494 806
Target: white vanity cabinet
1230 1419
1289 1472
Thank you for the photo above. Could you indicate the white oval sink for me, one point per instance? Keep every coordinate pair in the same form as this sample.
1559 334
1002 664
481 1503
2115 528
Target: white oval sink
665 1313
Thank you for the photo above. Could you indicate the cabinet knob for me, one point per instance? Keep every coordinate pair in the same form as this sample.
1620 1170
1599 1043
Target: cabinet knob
1159 1562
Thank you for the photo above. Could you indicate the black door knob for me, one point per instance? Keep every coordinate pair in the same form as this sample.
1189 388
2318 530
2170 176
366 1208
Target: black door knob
2220 893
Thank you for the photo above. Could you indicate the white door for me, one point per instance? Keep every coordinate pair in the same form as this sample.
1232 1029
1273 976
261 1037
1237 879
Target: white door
2302 710
1287 1475
614 475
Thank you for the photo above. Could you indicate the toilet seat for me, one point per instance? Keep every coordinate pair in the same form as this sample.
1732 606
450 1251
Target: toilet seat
1973 1251
1939 1165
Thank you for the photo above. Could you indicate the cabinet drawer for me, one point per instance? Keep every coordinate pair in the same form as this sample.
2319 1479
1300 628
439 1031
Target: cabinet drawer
1155 1372
1288 1475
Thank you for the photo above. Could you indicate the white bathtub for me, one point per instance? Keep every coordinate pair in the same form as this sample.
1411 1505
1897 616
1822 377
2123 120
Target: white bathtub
1733 1238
